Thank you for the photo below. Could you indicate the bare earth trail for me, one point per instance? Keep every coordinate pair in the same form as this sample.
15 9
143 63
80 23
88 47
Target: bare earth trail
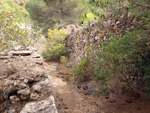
68 96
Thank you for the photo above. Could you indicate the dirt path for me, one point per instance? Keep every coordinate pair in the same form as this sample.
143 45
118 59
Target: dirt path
69 97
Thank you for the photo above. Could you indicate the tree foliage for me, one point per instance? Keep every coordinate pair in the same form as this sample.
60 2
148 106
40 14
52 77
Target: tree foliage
52 13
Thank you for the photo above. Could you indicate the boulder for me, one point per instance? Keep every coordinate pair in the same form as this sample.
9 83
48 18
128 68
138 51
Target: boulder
40 86
11 87
44 106
14 99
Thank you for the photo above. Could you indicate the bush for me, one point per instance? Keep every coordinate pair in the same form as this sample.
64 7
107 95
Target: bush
84 71
15 28
21 3
86 18
64 59
55 45
123 59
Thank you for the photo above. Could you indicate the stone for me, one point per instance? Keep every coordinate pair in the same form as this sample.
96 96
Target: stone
4 57
37 88
36 55
44 106
4 53
12 111
39 62
14 99
24 92
34 96
26 81
1 96
24 97
112 101
22 53
129 100
8 88
18 48
40 86
21 85
11 87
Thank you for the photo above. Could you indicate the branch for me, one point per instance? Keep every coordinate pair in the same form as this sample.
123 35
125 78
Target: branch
141 5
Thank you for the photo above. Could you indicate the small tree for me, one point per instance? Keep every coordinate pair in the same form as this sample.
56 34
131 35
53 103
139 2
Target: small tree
52 13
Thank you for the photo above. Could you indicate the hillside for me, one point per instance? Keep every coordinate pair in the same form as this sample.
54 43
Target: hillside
89 56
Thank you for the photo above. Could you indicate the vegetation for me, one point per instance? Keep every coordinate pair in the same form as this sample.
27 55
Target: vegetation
52 13
125 56
55 45
15 26
64 59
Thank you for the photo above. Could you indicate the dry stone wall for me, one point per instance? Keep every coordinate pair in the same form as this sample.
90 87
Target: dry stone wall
80 37
78 41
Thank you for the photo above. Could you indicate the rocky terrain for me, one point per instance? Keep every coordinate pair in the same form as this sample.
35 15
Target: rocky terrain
28 84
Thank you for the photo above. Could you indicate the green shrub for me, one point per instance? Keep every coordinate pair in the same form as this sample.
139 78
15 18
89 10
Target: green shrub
123 59
84 71
64 59
55 45
15 28
21 3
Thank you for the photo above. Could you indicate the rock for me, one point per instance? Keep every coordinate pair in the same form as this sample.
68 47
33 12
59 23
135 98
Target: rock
4 53
34 96
129 100
4 57
7 69
39 62
18 48
21 85
26 81
24 97
112 101
44 106
36 55
37 88
1 96
12 111
22 53
40 86
11 87
24 92
14 99
8 88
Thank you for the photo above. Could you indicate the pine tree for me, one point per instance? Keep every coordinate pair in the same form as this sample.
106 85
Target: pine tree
52 13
